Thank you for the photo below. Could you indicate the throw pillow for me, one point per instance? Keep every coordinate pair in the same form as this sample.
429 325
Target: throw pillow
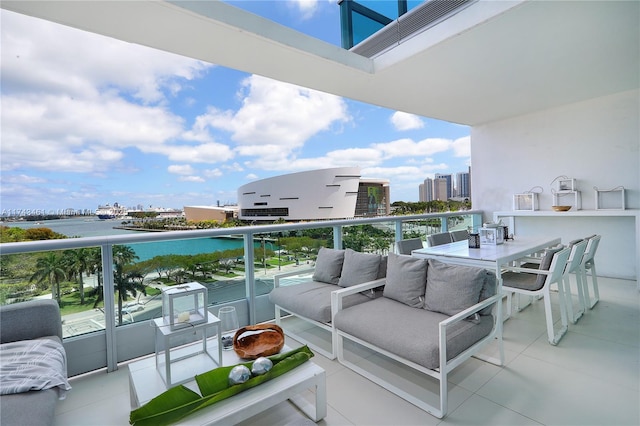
328 265
452 288
358 268
406 279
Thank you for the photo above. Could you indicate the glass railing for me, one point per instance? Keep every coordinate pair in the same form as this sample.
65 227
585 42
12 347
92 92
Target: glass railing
109 288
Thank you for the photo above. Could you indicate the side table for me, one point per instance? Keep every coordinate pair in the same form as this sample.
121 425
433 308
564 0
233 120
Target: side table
182 363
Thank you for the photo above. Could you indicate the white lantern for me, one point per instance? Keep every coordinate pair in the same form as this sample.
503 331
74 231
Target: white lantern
184 305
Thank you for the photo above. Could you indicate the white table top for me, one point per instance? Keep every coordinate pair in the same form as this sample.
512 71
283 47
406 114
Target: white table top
459 252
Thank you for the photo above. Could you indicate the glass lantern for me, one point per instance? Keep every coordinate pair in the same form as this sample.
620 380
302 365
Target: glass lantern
492 236
184 305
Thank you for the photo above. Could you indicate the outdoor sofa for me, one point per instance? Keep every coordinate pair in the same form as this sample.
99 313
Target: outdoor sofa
431 316
310 300
32 363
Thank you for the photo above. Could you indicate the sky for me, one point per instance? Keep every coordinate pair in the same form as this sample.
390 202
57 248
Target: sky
89 120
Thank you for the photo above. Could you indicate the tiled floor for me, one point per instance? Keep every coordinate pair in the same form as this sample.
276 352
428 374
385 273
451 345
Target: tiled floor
591 378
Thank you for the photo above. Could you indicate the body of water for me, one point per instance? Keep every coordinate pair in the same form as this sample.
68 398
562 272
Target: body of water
93 227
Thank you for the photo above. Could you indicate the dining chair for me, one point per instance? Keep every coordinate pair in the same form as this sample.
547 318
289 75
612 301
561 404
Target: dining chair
460 235
589 268
574 266
408 245
537 282
438 239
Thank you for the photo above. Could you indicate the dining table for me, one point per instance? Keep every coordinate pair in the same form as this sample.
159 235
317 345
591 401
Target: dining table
488 256
492 257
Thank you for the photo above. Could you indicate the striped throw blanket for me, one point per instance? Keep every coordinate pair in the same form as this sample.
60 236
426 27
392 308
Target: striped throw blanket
33 365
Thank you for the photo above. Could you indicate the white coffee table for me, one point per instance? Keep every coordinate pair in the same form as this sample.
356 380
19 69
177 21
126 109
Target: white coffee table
146 383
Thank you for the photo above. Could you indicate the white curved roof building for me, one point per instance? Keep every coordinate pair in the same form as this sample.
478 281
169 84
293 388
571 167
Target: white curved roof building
335 193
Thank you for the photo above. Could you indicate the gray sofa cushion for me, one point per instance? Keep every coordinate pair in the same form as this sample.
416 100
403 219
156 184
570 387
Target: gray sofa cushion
358 268
34 408
406 279
452 288
311 299
409 332
328 265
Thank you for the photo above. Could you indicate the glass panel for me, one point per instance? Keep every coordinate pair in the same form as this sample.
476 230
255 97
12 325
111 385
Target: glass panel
363 27
217 263
69 276
369 238
387 8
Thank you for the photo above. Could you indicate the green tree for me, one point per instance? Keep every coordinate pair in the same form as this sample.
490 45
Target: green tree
50 268
125 279
95 267
79 263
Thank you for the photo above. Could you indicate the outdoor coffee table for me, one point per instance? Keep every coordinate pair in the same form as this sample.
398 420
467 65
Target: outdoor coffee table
146 383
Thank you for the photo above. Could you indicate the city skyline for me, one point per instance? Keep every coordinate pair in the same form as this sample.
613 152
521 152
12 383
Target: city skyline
89 120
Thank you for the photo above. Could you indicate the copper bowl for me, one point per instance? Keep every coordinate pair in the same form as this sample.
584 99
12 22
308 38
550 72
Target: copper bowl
254 341
561 208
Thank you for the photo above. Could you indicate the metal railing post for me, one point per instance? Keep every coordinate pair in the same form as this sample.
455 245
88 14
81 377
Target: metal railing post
249 271
108 292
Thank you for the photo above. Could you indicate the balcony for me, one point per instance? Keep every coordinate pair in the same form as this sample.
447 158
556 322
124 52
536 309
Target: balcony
591 377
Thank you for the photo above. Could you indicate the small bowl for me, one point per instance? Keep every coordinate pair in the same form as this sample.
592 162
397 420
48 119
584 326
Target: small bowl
561 208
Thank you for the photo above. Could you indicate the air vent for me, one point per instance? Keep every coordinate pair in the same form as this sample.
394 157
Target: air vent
414 22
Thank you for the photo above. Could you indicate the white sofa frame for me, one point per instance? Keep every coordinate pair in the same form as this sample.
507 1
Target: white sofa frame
445 367
331 354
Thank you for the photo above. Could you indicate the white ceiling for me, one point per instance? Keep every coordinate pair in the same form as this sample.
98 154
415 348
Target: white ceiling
491 61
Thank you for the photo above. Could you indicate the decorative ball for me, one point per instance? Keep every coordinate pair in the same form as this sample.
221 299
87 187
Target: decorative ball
239 374
260 366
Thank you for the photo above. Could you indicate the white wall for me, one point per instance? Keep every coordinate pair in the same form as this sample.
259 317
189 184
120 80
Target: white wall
596 142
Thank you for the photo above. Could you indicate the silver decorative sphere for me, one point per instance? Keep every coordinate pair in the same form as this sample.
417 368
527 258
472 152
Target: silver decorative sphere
239 374
261 365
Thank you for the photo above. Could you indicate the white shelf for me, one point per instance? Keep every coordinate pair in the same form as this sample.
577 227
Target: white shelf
551 213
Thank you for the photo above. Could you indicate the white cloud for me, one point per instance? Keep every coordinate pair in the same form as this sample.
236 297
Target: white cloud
213 173
462 147
180 169
307 8
405 121
278 114
92 98
195 179
410 148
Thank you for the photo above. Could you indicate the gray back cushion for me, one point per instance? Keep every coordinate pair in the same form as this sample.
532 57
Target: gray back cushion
545 264
358 268
406 279
382 269
452 288
489 289
328 265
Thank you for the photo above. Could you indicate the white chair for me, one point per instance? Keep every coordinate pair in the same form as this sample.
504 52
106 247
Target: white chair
537 282
589 266
460 235
574 266
408 245
438 239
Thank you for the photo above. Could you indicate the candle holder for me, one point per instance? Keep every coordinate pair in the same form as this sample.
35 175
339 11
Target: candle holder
184 305
474 239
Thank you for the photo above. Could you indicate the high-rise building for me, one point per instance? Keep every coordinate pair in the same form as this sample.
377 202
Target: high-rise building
449 178
441 189
463 185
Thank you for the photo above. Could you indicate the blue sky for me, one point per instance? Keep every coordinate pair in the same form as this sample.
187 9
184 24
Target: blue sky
89 120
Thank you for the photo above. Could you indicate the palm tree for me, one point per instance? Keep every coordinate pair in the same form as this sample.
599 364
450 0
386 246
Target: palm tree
125 278
79 263
50 268
95 267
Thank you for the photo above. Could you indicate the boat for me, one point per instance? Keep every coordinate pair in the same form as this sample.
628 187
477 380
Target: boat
111 212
